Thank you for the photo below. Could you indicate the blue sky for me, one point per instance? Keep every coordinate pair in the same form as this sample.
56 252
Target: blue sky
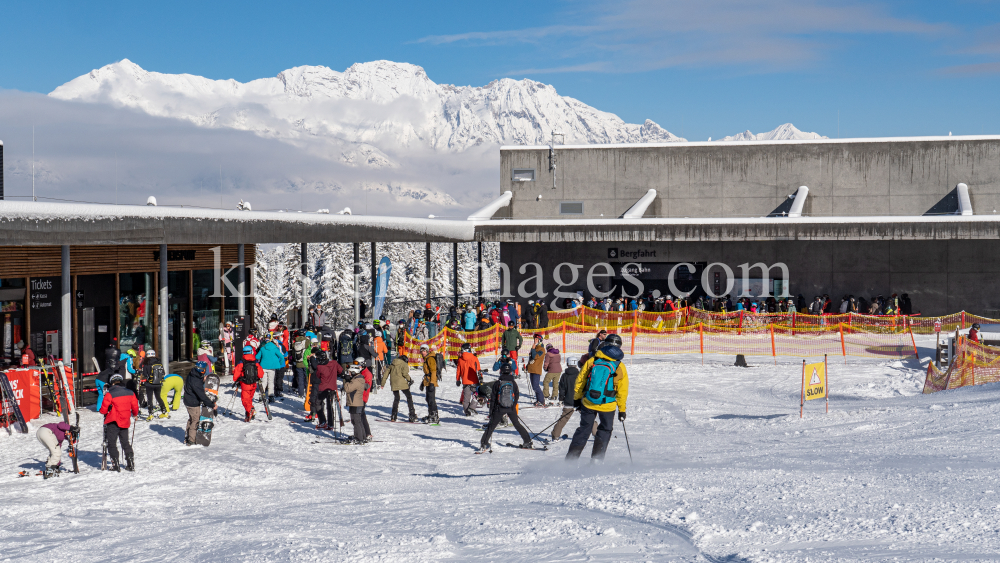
700 69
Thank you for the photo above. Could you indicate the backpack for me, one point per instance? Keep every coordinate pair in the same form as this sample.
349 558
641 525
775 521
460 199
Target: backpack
346 346
156 374
249 376
300 350
439 360
601 382
505 394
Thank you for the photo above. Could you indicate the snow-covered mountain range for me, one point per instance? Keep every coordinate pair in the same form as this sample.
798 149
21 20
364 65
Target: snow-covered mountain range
366 113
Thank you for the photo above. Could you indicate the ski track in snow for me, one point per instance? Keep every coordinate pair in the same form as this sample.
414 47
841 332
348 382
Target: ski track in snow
724 471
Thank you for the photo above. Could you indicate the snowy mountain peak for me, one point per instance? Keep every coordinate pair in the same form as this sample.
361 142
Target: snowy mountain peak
783 132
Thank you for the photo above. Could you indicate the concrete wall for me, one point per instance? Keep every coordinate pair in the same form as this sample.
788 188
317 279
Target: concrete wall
845 177
940 276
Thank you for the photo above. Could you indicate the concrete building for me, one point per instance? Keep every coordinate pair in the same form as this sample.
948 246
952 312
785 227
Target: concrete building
866 224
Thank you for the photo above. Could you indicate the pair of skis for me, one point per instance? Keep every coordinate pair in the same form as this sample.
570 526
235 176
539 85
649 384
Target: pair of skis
68 406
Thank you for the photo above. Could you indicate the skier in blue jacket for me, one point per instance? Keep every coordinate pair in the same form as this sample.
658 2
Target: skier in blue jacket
271 359
470 319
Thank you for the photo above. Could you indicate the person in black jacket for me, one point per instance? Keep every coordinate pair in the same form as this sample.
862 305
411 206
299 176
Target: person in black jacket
194 398
503 404
597 341
567 389
153 373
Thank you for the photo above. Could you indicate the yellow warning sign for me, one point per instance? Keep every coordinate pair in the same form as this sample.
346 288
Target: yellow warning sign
815 381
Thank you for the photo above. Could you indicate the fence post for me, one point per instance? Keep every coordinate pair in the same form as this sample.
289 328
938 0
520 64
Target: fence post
565 351
774 352
843 347
701 342
633 338
740 331
963 320
793 322
915 354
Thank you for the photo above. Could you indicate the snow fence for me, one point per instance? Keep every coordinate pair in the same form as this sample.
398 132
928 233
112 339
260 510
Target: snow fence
973 364
757 340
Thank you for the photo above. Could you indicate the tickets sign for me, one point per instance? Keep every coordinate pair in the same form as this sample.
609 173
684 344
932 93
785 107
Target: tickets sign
815 381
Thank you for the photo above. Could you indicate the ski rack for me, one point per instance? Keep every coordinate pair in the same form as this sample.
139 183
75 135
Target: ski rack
11 412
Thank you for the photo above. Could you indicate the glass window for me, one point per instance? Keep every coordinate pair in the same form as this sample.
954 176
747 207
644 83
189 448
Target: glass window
135 310
571 208
206 308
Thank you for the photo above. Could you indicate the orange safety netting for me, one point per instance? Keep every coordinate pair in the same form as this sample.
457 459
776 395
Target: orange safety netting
751 340
623 320
973 364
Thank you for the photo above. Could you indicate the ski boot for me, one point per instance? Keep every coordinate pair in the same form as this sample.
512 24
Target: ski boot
149 418
129 464
50 471
413 417
164 414
246 418
309 418
485 449
527 445
392 418
270 398
114 466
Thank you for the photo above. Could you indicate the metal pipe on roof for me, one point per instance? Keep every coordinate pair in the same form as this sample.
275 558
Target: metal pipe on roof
964 202
486 213
66 341
638 208
164 304
800 200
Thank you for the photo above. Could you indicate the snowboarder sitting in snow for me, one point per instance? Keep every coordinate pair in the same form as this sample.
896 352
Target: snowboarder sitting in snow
247 374
194 398
601 388
504 403
356 383
120 406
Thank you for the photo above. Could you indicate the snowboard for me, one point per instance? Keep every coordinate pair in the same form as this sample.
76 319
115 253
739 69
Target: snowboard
203 436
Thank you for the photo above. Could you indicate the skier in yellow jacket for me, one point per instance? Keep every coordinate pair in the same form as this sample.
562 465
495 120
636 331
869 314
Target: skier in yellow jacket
601 388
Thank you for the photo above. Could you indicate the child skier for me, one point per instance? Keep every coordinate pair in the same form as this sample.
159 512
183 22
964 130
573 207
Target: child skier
248 374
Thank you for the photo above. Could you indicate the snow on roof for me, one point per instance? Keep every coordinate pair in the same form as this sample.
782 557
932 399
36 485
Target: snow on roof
879 219
756 143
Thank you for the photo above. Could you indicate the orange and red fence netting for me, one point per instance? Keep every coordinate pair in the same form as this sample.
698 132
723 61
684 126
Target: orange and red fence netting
755 340
973 364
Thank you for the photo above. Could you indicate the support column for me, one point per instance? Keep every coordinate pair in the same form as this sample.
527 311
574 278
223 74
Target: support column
305 286
454 273
164 306
371 306
427 273
479 269
241 299
66 340
356 269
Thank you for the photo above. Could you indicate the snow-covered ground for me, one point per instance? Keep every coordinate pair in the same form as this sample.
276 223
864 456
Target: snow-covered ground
724 470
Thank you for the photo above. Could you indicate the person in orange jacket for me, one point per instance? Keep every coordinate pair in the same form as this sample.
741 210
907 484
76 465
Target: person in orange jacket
248 374
467 377
119 408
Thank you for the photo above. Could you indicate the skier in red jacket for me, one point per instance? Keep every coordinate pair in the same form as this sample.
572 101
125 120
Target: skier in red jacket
247 374
120 406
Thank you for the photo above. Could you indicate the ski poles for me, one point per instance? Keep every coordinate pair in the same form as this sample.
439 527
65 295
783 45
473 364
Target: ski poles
570 413
626 443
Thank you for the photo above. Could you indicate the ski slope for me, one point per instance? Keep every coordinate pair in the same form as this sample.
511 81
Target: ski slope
724 470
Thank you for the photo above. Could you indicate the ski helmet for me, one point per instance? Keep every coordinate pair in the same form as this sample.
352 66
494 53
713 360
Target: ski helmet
200 369
321 357
571 361
150 353
466 347
975 326
613 340
117 379
248 349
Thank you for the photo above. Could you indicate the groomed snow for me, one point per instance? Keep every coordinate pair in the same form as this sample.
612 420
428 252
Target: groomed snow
724 471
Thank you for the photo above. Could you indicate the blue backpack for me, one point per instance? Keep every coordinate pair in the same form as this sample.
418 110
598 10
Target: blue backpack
601 382
505 394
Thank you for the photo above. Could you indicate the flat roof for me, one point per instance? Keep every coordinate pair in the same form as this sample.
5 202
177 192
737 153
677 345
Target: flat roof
680 144
43 223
